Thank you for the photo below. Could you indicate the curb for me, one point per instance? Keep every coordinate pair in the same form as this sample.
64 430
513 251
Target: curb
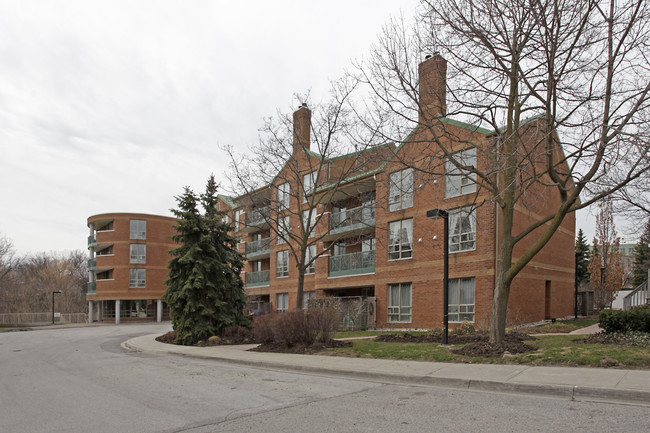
568 392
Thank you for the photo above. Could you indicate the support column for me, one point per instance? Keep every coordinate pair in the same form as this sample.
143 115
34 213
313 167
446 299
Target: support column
91 310
159 310
117 311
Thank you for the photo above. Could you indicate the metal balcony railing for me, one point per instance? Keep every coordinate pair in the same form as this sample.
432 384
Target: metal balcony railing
352 264
92 264
352 219
92 287
258 247
258 216
91 240
260 278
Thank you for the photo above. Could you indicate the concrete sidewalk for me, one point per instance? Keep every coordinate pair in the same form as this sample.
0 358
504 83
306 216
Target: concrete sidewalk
571 383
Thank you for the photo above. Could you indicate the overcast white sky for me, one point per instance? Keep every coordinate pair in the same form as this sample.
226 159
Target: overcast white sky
115 106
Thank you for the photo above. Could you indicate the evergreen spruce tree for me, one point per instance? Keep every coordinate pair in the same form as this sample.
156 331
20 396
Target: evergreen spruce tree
642 257
582 256
205 292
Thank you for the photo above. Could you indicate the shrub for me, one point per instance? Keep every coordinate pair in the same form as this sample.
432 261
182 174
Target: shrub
303 327
636 319
465 328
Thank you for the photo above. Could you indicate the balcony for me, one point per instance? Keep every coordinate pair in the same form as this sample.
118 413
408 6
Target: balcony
352 264
92 264
258 249
257 218
92 288
257 279
352 222
92 241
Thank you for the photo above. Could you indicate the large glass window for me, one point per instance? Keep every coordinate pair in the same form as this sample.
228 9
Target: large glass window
282 264
138 229
457 181
137 278
400 189
462 229
461 299
138 253
310 253
309 221
308 182
399 302
238 219
283 196
282 302
283 229
400 239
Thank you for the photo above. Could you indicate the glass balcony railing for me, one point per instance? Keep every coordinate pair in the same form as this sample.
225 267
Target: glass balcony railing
352 264
91 240
92 287
258 216
352 219
92 264
258 247
260 278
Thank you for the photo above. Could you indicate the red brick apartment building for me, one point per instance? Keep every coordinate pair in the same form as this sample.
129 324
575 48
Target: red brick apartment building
127 266
379 243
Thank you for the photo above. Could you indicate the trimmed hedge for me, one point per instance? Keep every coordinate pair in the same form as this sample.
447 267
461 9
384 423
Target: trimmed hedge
636 319
296 328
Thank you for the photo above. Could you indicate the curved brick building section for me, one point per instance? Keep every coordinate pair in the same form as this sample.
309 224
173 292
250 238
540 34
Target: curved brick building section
127 266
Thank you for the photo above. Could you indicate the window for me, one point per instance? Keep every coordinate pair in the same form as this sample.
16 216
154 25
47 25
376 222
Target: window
138 253
399 303
368 244
283 196
308 182
257 266
309 223
282 264
458 182
400 239
282 302
138 229
283 229
400 189
461 299
310 253
462 229
238 219
137 278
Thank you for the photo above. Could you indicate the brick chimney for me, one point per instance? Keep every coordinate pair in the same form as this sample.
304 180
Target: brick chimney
433 87
301 128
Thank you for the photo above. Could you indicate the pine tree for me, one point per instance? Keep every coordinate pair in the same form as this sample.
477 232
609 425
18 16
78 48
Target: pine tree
642 257
204 291
582 256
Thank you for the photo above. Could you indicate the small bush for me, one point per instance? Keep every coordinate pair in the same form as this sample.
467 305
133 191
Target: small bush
465 328
636 319
303 327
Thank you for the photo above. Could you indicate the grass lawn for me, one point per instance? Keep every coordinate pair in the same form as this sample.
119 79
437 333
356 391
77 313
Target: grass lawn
552 350
564 326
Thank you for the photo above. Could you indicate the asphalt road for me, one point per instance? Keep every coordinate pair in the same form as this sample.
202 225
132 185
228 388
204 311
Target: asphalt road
81 380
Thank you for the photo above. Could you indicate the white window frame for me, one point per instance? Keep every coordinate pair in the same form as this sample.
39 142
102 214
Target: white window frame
457 181
400 190
284 191
309 223
282 264
238 219
403 311
310 252
281 302
461 305
284 225
137 278
137 229
308 182
397 248
462 229
137 256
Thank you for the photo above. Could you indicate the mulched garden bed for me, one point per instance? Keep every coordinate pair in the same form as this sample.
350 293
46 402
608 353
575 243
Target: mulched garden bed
476 344
229 337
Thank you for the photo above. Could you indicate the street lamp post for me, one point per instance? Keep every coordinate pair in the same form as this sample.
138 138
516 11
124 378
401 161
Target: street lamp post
53 293
439 213
575 288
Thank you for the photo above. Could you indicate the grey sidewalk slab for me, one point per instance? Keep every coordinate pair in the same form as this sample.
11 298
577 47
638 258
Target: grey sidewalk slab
563 382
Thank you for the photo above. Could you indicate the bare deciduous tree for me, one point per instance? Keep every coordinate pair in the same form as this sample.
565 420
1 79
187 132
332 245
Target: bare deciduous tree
560 89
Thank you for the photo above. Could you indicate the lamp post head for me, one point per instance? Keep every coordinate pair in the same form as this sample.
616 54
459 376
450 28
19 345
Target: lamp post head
57 291
437 213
